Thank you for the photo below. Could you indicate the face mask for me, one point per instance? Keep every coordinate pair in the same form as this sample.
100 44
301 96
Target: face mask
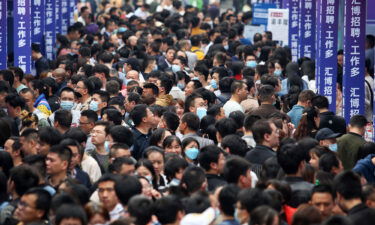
195 78
155 68
175 68
213 84
251 64
149 178
67 105
181 86
106 146
122 29
192 153
95 42
258 54
236 217
201 112
94 105
277 73
175 182
333 147
226 47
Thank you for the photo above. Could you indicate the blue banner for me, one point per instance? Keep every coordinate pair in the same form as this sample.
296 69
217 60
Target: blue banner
354 58
72 7
326 55
294 28
307 29
58 24
38 12
260 13
64 16
278 3
22 34
3 34
50 30
285 4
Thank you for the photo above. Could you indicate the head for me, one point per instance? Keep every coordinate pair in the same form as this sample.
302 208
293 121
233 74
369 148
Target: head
323 198
142 116
70 214
348 187
58 160
33 206
239 89
48 136
211 159
357 124
106 190
99 133
291 159
237 171
266 133
87 120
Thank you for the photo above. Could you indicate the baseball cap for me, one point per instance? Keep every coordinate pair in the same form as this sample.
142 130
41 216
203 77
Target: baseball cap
326 133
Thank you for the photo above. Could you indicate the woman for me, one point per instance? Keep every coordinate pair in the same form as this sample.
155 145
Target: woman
190 151
174 169
145 169
308 125
172 144
147 189
41 90
156 156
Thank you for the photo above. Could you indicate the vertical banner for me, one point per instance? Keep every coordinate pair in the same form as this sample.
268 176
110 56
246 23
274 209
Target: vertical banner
50 30
354 58
58 24
294 28
326 56
22 34
278 3
64 16
3 34
38 11
307 29
285 4
71 9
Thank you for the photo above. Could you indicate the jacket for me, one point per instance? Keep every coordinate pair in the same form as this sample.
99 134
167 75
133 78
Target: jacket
202 141
348 146
301 191
366 168
361 214
336 123
264 111
258 156
295 114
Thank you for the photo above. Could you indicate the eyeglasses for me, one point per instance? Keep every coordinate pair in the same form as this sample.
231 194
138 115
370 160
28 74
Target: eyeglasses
22 204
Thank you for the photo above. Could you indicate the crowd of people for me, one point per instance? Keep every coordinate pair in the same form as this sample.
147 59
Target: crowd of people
164 113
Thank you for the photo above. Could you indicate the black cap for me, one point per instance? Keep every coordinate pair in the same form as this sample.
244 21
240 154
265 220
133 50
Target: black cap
326 133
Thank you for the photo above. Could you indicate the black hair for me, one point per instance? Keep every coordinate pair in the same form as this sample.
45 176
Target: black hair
24 178
237 145
249 121
118 162
168 141
323 188
133 187
328 161
6 162
166 209
228 198
138 113
348 185
43 200
113 115
77 134
104 95
207 155
156 136
68 211
141 208
153 87
166 83
192 179
101 68
7 76
225 84
121 134
270 169
64 153
63 117
365 150
263 215
359 121
197 203
15 100
91 115
289 157
238 117
148 164
173 166
191 120
250 199
49 135
234 168
172 120
226 126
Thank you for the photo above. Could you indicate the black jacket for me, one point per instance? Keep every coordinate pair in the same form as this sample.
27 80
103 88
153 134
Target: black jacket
214 181
301 191
361 214
141 142
258 155
336 123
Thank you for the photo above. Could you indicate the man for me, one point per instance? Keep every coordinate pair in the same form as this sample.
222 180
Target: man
237 171
349 143
18 76
122 166
349 193
84 87
47 137
120 150
195 41
57 164
29 97
116 135
59 75
239 93
108 197
169 121
21 179
102 72
99 100
267 98
62 120
189 127
133 187
131 100
304 101
328 119
195 103
227 200
169 210
67 102
327 138
41 63
149 93
87 121
201 72
15 104
13 147
292 160
98 138
33 206
211 159
266 136
248 134
165 85
143 120
323 198
29 141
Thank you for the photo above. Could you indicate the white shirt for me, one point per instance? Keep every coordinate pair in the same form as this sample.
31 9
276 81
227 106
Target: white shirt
91 167
231 106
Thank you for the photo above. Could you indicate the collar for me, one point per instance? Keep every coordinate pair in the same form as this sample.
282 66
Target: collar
294 179
263 147
357 208
355 134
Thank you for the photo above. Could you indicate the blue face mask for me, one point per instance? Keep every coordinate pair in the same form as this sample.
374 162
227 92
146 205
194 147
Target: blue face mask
277 73
106 146
155 68
201 112
213 84
251 64
333 147
192 153
67 105
181 86
176 68
122 29
226 47
94 105
195 78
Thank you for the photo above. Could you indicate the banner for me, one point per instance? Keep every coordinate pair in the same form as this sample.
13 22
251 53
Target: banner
250 30
354 58
71 8
294 28
3 34
50 30
58 24
64 16
260 13
22 34
285 4
37 25
278 23
307 29
326 55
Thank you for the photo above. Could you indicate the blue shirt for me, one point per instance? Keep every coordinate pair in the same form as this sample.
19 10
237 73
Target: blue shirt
295 114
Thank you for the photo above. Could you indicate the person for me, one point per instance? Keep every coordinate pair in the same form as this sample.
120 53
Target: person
165 85
57 164
29 141
365 167
33 206
349 192
70 214
266 96
328 118
99 100
266 135
264 215
227 200
47 137
292 161
67 101
349 143
237 171
239 93
108 197
134 187
142 118
304 101
211 159
189 127
308 125
15 105
330 163
141 209
327 138
168 210
41 63
85 88
122 166
13 147
323 197
174 168
100 153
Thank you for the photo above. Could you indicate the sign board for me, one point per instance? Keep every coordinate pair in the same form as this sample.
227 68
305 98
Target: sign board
250 30
260 13
278 23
